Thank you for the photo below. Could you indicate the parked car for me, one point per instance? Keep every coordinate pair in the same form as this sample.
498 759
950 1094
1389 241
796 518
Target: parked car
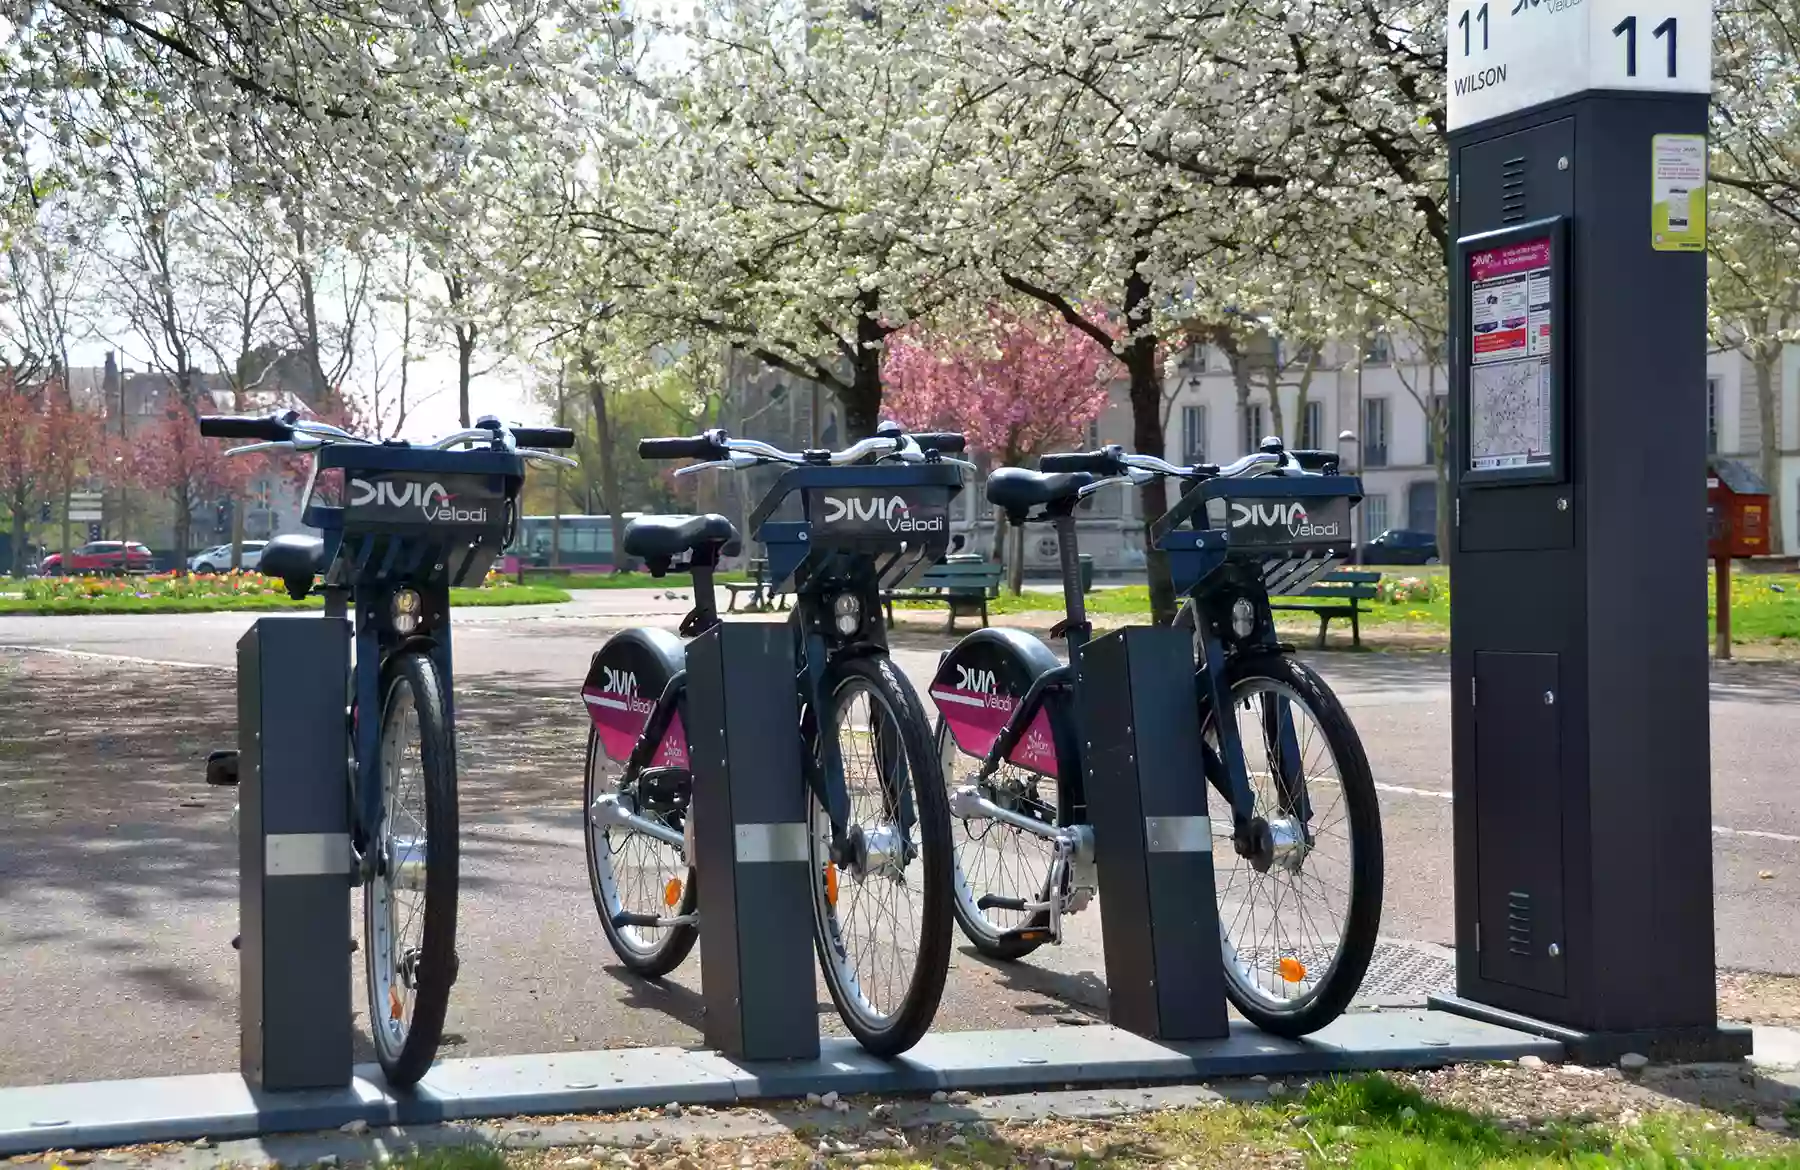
1401 546
101 557
217 559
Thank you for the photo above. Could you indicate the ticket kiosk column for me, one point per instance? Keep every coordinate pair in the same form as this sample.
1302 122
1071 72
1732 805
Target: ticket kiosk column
1578 355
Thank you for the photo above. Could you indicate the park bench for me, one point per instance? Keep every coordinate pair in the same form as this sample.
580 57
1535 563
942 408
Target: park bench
1347 587
963 585
757 587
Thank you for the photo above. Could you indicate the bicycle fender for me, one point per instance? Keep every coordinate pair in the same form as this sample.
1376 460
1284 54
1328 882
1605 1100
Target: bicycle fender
980 682
625 679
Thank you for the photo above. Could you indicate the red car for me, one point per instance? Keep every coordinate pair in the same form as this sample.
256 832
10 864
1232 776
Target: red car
99 556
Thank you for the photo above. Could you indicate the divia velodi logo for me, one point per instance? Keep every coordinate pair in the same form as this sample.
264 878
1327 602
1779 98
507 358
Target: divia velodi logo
1291 516
892 511
433 500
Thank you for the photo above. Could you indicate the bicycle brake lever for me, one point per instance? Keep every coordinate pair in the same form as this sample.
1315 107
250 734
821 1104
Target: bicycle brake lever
737 462
537 456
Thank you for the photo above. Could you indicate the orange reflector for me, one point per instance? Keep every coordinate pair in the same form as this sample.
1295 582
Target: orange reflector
396 1009
1292 970
830 884
672 893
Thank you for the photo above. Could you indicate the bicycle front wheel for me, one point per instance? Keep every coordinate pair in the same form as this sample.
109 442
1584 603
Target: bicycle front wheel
1298 918
882 919
409 900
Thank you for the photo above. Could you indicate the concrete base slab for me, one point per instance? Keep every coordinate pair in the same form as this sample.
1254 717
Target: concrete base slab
221 1106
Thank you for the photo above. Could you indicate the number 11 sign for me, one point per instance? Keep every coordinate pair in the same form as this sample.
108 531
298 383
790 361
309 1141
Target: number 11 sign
1509 55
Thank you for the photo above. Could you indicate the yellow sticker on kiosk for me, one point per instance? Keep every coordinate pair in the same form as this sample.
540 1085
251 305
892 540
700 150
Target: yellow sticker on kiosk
1678 192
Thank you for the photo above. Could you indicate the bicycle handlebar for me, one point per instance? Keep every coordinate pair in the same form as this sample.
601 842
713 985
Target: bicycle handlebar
290 432
704 446
272 429
543 436
717 449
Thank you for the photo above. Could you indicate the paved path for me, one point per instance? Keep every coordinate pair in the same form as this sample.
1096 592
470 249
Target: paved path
113 957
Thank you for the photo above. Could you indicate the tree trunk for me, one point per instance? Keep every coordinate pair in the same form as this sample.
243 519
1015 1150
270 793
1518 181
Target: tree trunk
19 507
465 357
862 405
237 535
1769 447
1277 420
1015 569
997 550
609 467
1438 418
68 490
1240 381
1147 438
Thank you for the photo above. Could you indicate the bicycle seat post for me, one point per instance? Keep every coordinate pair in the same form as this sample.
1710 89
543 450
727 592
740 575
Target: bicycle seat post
1076 629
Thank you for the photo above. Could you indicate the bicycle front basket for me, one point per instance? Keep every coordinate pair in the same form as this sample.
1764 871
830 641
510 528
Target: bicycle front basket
419 516
1289 529
898 516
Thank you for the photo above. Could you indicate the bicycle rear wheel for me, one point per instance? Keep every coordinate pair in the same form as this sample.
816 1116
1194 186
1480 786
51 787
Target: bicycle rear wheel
409 901
995 860
1298 920
882 922
631 873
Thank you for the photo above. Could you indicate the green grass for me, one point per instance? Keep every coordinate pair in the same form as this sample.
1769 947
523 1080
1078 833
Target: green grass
497 595
622 580
1370 1122
1765 608
1363 1123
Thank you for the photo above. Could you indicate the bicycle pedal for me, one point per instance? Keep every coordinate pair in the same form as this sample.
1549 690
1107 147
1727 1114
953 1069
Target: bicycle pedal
1030 934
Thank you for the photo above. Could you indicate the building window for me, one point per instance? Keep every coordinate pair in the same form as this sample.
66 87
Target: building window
1193 434
1378 352
1312 427
1374 516
1375 433
1193 358
1253 426
1712 416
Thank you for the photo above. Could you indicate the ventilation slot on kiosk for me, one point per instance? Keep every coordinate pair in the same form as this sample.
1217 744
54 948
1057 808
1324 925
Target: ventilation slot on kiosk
1512 190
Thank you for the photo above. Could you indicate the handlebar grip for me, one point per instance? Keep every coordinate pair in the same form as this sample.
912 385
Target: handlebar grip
233 426
944 442
1094 462
694 447
544 436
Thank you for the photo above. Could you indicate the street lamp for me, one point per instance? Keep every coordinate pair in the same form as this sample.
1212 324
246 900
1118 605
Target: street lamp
1356 545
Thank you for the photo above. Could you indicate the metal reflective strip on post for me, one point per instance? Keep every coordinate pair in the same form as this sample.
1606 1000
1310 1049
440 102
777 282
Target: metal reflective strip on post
306 854
1178 834
781 841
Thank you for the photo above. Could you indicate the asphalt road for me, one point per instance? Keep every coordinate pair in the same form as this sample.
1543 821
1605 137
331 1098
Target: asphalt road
114 957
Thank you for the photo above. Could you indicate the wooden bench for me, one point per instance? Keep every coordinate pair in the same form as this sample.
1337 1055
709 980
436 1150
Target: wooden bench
1351 587
757 587
963 585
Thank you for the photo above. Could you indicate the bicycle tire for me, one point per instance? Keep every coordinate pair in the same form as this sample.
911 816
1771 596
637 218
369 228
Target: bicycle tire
983 939
904 1027
1362 921
677 942
415 675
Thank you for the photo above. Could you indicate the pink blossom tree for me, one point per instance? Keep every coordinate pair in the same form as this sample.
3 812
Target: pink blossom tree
1016 385
172 458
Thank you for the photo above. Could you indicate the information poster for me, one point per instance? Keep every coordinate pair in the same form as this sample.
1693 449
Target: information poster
1510 403
1678 192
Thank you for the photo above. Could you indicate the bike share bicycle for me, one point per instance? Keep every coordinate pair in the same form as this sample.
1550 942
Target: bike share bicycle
1271 523
402 524
876 799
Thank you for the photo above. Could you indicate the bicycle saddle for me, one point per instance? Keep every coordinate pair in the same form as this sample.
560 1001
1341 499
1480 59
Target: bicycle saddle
296 560
1019 488
652 537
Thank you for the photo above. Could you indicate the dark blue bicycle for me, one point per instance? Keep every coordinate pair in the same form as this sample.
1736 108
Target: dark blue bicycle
402 525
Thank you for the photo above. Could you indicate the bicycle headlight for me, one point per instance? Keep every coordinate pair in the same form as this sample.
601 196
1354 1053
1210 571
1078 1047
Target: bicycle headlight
1243 617
407 611
846 613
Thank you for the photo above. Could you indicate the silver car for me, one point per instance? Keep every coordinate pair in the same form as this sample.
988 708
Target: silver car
217 559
